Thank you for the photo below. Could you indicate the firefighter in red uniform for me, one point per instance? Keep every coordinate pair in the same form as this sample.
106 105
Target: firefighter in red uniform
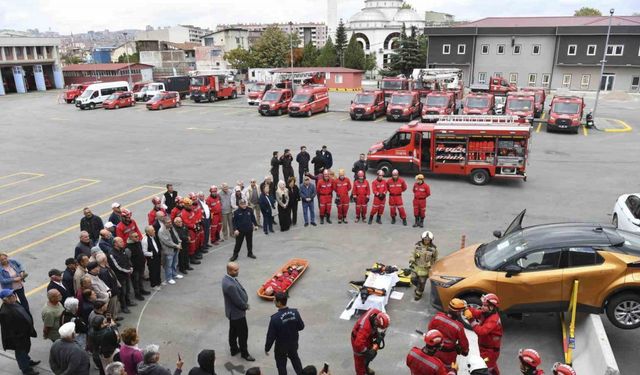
421 192
342 186
215 206
367 337
396 186
126 226
529 362
324 188
424 361
487 325
454 340
157 206
189 220
360 193
197 210
562 369
379 190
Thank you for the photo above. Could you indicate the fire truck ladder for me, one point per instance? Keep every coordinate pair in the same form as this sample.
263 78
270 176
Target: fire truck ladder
296 76
474 119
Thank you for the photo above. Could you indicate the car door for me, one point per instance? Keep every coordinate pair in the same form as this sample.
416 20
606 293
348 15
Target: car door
595 275
417 146
536 286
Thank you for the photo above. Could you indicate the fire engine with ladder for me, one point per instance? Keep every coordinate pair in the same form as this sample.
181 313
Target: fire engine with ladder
300 78
480 147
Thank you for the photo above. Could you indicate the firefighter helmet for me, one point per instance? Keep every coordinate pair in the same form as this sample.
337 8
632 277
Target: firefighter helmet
381 173
427 234
187 201
433 338
178 199
562 369
382 320
420 177
213 189
360 174
192 196
155 200
490 299
125 213
456 304
530 357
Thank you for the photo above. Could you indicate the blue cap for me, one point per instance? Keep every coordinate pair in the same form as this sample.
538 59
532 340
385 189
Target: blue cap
4 293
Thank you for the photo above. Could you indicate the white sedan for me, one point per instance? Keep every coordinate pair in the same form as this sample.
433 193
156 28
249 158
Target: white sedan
626 213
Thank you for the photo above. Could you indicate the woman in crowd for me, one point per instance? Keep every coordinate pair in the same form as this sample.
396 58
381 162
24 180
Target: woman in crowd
294 198
284 212
130 354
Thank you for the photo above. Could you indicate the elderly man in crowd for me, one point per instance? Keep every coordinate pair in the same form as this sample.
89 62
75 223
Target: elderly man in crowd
16 326
153 252
171 243
138 263
51 313
105 243
115 368
150 365
121 264
103 293
227 215
81 270
91 224
66 356
55 282
111 281
116 214
252 195
84 245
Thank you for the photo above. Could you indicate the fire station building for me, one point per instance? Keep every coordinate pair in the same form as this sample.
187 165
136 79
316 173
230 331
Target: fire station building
336 78
80 73
550 52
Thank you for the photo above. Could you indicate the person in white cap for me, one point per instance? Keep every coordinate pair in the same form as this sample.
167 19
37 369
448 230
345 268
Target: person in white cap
66 356
115 217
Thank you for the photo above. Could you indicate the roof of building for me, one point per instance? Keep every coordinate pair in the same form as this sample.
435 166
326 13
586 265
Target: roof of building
317 69
558 21
184 46
91 67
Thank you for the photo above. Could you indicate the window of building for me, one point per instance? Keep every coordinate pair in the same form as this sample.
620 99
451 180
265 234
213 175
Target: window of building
572 49
566 80
535 50
635 83
484 49
615 50
462 49
497 74
584 81
591 50
533 77
482 77
338 78
516 49
513 78
546 78
500 49
446 49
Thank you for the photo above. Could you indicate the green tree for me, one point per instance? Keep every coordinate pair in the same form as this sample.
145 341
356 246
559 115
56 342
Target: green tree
327 55
341 42
370 62
133 58
272 48
405 56
240 58
309 55
423 50
406 5
587 11
354 55
71 59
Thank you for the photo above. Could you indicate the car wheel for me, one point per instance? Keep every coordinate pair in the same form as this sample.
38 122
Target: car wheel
133 103
117 106
279 112
309 113
479 177
234 95
623 310
160 107
178 104
386 168
614 221
326 108
92 105
374 116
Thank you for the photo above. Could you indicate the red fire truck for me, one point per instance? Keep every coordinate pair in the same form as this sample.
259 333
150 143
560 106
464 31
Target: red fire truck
481 147
404 106
390 85
275 102
211 88
479 104
438 103
540 96
368 104
497 86
521 104
256 91
76 90
565 113
309 99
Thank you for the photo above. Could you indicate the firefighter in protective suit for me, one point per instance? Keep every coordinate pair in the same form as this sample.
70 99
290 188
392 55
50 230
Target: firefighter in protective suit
423 361
487 325
367 337
529 362
454 340
562 369
423 257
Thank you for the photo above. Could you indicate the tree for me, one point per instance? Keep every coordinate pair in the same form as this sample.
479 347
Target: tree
71 59
327 55
354 55
370 62
272 48
423 49
133 58
309 55
341 42
406 5
405 56
240 58
587 11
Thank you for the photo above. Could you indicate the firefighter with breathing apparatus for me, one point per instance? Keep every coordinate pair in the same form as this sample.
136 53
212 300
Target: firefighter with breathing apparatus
425 254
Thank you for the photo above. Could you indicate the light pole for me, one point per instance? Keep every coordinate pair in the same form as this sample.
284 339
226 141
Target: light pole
126 52
291 47
604 59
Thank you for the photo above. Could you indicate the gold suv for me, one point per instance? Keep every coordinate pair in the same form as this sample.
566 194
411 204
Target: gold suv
533 270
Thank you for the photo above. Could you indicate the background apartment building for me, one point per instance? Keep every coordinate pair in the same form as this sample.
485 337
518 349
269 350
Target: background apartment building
314 32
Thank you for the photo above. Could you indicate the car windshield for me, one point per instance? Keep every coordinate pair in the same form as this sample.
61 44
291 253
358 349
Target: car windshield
364 99
538 98
112 97
86 94
436 101
519 104
257 87
477 102
301 98
392 85
400 99
74 86
156 97
565 108
494 254
271 96
197 81
426 85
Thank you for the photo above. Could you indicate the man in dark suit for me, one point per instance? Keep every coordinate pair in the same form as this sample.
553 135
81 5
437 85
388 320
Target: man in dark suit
170 198
55 282
236 303
283 331
67 275
92 224
17 329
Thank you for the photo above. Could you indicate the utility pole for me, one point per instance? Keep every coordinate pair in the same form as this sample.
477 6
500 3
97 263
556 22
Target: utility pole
126 52
291 47
604 59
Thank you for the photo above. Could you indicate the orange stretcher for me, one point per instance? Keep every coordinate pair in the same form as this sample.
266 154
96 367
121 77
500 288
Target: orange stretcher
293 261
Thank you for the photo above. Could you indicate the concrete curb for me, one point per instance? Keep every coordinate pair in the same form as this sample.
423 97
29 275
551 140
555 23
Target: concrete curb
593 353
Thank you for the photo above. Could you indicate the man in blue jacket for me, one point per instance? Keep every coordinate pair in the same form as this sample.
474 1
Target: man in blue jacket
307 195
283 330
244 223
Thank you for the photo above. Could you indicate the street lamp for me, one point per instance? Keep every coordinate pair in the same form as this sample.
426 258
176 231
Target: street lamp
126 52
604 59
291 47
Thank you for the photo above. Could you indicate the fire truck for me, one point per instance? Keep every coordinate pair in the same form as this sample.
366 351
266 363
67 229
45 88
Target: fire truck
565 113
479 104
211 88
309 99
481 147
256 91
436 79
521 104
496 86
390 85
76 90
438 103
275 102
301 78
540 95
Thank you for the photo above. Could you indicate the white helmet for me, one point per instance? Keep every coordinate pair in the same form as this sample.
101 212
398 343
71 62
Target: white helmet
427 234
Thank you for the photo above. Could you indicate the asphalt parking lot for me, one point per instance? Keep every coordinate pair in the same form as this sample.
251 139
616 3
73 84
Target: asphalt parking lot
57 159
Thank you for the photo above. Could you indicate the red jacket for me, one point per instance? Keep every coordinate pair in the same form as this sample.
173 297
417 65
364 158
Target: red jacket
489 329
123 230
361 188
421 363
396 187
452 330
379 187
363 333
151 216
189 218
214 205
421 191
324 187
175 212
342 187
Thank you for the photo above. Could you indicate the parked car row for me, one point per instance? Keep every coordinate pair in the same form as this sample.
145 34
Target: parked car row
308 99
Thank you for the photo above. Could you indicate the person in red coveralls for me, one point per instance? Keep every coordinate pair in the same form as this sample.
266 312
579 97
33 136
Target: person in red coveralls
126 226
396 186
424 361
178 208
342 186
487 325
157 206
324 188
454 340
379 190
421 192
215 206
529 362
199 232
360 193
189 217
366 338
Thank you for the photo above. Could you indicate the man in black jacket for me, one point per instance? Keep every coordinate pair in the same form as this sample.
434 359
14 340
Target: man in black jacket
110 279
138 263
67 275
328 158
283 331
286 160
244 223
55 282
92 224
17 329
318 163
275 168
206 362
303 159
170 198
121 264
359 165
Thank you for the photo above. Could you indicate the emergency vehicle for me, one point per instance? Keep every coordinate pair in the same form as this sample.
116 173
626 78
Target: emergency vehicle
479 104
390 85
436 79
497 86
438 103
481 147
162 100
521 104
275 102
137 86
368 104
256 91
309 99
404 106
119 100
211 88
76 90
97 93
540 96
565 113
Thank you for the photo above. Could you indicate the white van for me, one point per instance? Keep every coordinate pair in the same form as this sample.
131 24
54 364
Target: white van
96 93
149 91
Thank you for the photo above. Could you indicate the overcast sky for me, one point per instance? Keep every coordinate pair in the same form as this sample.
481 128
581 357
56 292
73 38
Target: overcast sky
78 16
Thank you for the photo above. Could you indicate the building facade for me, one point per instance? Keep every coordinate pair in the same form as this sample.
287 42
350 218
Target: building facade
550 52
174 34
81 73
314 32
28 63
167 58
210 55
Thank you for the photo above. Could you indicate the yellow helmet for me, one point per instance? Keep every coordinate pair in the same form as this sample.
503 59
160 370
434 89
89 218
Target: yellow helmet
187 201
457 304
420 177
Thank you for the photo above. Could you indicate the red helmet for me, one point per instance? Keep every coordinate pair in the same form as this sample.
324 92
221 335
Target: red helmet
382 320
381 173
125 213
155 200
490 298
192 196
530 357
433 338
213 189
360 174
562 369
178 199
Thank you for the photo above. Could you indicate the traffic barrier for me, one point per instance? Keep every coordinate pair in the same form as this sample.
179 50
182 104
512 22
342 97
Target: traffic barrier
593 354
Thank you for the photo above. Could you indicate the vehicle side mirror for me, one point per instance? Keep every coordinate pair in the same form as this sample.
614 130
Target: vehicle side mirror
512 269
497 233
